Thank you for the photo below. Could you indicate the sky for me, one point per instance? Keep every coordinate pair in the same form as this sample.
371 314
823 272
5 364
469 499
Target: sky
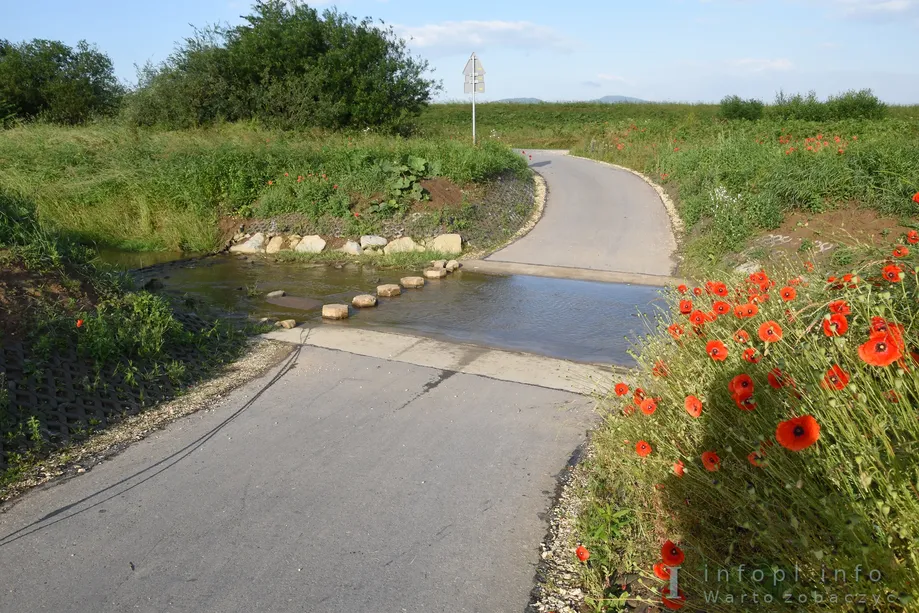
660 50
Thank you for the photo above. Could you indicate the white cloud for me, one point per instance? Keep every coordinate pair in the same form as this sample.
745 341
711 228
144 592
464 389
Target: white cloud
760 65
452 36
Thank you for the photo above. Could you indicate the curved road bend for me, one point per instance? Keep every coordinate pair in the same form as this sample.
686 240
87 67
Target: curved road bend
597 218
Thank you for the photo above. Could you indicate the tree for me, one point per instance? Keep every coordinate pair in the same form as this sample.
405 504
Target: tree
287 66
50 80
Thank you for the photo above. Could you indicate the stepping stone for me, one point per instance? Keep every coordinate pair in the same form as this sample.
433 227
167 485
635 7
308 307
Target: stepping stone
335 311
276 294
412 282
438 263
435 273
364 301
452 265
389 290
287 323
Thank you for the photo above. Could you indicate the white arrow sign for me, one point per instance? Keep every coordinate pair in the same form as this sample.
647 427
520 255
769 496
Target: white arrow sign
474 83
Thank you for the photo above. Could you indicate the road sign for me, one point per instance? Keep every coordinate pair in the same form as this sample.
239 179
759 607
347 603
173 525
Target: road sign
473 83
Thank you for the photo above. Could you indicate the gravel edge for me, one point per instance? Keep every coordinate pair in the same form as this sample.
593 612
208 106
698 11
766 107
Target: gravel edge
558 576
541 192
261 356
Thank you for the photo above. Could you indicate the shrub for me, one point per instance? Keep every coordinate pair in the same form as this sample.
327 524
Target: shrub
860 104
783 435
289 68
47 79
733 107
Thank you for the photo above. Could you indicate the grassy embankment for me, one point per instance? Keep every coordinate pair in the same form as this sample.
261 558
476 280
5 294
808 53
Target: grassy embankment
730 179
150 190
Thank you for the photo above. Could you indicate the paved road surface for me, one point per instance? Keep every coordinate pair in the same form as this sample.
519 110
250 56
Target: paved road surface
596 217
352 483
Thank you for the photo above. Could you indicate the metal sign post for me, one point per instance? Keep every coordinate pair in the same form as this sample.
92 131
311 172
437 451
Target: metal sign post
474 82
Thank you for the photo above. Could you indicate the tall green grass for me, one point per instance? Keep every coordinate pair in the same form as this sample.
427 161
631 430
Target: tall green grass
148 190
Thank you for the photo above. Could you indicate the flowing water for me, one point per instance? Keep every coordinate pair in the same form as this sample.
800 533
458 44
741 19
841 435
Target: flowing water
576 320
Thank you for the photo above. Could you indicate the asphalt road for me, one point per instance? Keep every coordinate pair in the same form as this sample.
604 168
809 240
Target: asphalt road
596 217
352 483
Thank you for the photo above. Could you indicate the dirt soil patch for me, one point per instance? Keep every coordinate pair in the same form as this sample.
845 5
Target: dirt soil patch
444 194
25 293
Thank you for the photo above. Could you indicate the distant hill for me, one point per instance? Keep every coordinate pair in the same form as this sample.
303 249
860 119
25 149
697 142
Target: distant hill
603 100
521 100
613 99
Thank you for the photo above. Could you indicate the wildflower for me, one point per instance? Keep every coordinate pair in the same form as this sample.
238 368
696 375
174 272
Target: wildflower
270 182
900 251
880 350
798 433
892 396
685 307
661 571
778 379
299 178
788 294
681 288
286 175
809 266
643 449
660 369
622 389
717 350
840 306
745 311
675 149
335 187
892 273
741 386
678 468
582 553
676 331
836 378
749 355
648 406
755 458
770 332
741 337
916 197
356 214
711 461
835 324
721 307
79 323
670 601
693 406
697 291
912 237
719 289
698 318
671 554
638 397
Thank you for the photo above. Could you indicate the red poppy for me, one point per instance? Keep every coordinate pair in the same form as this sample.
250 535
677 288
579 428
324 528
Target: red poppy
798 433
892 273
788 294
880 350
777 379
676 331
711 461
755 458
698 318
270 182
758 277
749 355
660 369
770 332
639 396
661 571
719 289
671 554
835 325
892 396
916 197
836 378
840 306
672 602
795 281
79 323
912 237
744 403
582 553
742 337
648 406
745 311
717 350
741 385
693 406
900 251
697 291
643 449
685 307
809 266
286 175
678 468
356 214
879 325
681 288
622 389
721 307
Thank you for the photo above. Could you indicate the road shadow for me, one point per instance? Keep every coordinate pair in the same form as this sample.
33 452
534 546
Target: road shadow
539 164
